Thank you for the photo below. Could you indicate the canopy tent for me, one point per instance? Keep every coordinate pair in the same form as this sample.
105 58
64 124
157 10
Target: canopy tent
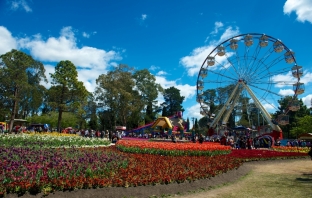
163 122
305 136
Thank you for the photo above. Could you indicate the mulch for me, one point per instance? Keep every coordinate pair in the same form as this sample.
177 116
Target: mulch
150 190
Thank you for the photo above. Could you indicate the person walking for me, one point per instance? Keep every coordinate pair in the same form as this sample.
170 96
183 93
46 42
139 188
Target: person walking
310 152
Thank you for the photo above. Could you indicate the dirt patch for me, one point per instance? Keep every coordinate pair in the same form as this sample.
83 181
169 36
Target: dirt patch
214 187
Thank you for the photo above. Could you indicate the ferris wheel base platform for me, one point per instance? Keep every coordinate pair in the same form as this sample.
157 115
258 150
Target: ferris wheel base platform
277 135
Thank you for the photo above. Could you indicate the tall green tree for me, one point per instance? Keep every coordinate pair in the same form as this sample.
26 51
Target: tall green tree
91 112
16 70
173 101
118 96
67 92
148 89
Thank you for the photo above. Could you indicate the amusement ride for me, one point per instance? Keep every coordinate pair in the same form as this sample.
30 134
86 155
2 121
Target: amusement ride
245 71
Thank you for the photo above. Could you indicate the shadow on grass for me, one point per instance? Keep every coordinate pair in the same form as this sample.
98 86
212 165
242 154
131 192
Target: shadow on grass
307 177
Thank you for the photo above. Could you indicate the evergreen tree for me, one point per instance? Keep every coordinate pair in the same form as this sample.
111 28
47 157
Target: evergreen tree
67 93
173 101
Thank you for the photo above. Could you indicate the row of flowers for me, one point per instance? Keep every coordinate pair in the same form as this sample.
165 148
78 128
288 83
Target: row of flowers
55 134
258 154
46 170
291 149
48 140
27 169
173 149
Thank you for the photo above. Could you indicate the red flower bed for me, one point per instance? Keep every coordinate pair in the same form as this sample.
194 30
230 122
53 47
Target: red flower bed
146 169
174 149
256 154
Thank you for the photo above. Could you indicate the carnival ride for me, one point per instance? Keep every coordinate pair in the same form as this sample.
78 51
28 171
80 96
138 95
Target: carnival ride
170 124
243 71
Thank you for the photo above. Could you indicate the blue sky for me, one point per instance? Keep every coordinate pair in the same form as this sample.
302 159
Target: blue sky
170 38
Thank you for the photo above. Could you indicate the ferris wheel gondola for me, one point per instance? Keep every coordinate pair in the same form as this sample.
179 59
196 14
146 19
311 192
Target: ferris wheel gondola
250 64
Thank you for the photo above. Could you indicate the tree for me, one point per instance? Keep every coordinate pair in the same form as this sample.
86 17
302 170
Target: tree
148 89
209 97
303 125
173 101
67 92
68 119
293 115
196 127
118 96
17 70
90 109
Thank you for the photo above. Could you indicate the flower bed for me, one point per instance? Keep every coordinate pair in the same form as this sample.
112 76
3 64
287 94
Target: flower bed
25 169
291 149
48 170
173 149
146 169
257 154
44 169
55 134
48 140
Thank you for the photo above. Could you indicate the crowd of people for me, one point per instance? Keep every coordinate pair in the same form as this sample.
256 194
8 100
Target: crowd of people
113 136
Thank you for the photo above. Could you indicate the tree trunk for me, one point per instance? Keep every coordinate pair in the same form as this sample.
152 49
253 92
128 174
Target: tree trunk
13 110
59 121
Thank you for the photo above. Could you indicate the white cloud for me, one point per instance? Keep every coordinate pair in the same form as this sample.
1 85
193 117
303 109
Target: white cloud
142 20
88 77
153 68
284 80
90 61
8 42
186 90
48 69
269 107
286 92
303 9
160 73
307 100
193 62
229 32
65 48
193 111
306 78
218 25
86 35
143 17
15 5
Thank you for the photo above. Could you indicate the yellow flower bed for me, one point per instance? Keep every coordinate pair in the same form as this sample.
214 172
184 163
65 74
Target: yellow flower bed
54 134
291 149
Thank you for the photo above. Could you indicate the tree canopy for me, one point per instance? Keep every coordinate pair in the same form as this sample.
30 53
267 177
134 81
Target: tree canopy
173 101
66 92
20 76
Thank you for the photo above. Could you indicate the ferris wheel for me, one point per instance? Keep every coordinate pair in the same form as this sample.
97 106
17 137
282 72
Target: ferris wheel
254 68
